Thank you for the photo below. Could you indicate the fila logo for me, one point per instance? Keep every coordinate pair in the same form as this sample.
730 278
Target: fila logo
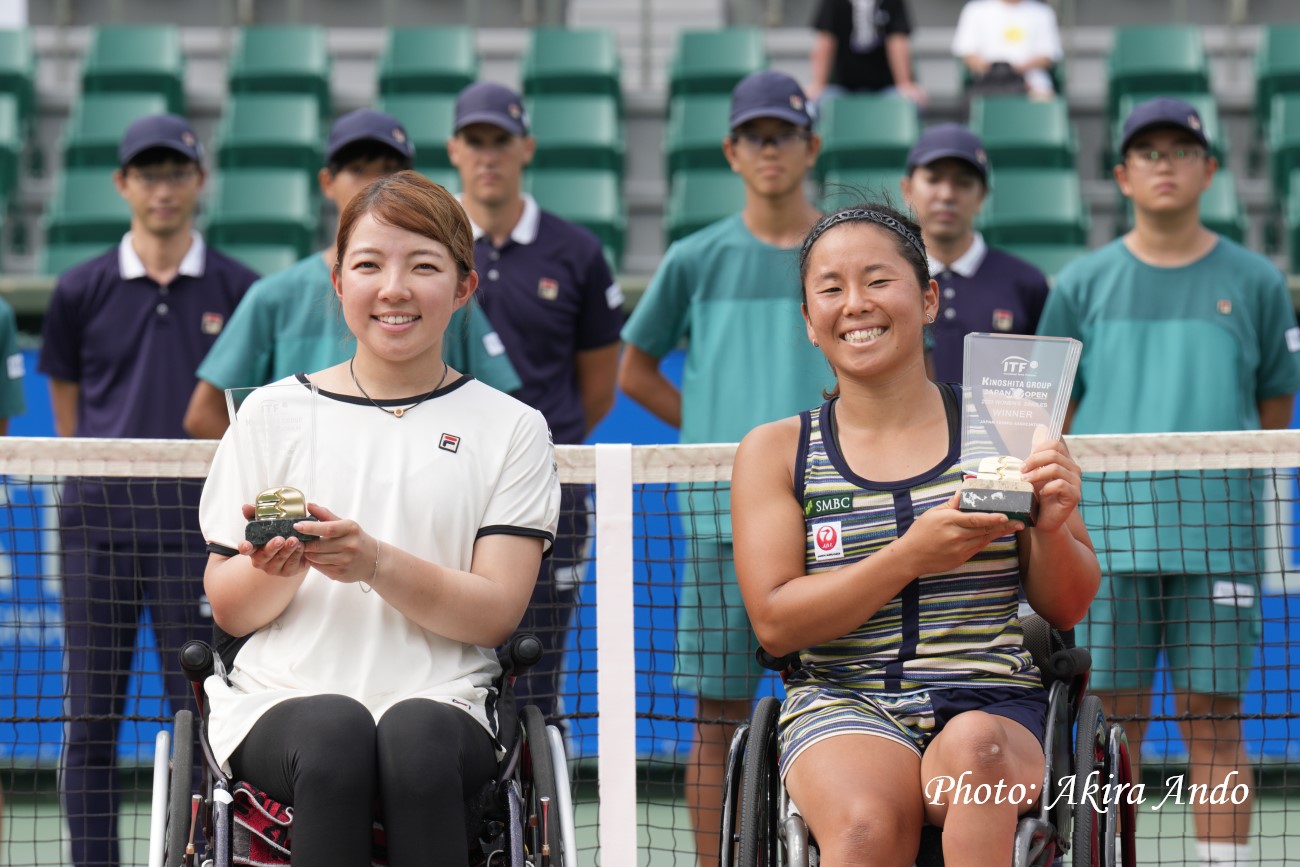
449 443
1003 320
548 289
212 323
828 540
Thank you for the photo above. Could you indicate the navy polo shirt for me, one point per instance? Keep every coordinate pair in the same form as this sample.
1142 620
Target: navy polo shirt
132 346
985 290
550 294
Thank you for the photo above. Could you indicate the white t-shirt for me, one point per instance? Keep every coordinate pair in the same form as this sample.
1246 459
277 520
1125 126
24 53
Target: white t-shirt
468 462
1007 32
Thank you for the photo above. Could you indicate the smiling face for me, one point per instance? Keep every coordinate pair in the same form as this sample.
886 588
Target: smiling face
862 302
398 289
1172 182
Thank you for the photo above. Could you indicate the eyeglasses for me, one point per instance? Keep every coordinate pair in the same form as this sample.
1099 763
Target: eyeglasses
783 140
1177 156
174 178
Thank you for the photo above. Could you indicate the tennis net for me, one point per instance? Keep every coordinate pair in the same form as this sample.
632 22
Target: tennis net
1220 505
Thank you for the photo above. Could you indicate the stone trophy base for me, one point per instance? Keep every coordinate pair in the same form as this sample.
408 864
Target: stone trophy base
263 531
1015 499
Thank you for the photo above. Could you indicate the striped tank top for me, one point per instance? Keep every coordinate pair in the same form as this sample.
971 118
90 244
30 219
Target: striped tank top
956 629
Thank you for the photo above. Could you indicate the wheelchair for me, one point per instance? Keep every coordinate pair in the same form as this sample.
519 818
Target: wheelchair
761 827
527 810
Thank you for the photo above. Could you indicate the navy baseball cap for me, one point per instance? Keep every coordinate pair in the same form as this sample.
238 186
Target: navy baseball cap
1163 111
949 141
366 124
485 102
769 94
159 131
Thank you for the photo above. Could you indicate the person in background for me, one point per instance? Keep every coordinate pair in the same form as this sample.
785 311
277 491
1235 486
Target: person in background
12 401
728 288
980 288
1182 330
545 285
123 335
1009 46
290 322
863 46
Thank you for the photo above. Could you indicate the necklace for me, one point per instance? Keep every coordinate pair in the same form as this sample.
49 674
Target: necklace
400 411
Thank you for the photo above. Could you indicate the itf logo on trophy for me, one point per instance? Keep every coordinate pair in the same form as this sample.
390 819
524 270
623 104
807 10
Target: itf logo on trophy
1016 391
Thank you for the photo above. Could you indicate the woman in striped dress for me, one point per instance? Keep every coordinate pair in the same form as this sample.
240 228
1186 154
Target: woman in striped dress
850 549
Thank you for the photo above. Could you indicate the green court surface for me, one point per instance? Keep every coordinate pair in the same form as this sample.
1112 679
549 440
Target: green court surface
34 835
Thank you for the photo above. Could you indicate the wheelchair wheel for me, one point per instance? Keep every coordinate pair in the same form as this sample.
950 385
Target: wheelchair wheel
731 797
1089 758
178 793
760 789
1121 814
539 782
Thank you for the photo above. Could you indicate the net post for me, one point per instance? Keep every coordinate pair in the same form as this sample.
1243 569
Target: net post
615 656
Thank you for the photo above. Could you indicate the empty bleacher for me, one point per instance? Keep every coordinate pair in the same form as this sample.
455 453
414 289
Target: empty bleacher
628 143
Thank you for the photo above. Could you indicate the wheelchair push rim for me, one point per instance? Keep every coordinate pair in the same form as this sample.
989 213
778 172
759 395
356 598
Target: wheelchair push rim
1090 757
541 794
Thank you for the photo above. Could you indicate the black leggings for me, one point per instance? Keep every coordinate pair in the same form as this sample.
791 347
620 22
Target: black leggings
326 756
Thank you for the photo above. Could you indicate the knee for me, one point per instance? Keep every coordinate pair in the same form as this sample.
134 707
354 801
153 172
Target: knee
338 751
877 829
978 742
419 746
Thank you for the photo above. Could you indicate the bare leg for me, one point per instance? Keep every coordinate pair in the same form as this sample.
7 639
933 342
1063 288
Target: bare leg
1215 754
985 751
861 797
705 771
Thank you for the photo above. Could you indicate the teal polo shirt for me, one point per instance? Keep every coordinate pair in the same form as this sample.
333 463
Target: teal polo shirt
736 301
1193 348
290 323
12 402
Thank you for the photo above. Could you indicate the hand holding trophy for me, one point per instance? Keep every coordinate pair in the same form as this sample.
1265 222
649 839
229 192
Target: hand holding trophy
1016 390
274 429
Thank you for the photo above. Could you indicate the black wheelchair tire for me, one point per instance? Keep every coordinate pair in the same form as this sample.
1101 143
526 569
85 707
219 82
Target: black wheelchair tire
758 800
178 793
540 783
730 836
1089 756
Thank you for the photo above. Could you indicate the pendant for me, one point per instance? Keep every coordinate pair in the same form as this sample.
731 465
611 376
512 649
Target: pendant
399 412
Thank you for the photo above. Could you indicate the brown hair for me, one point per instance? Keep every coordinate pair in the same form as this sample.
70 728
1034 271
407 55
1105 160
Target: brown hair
408 200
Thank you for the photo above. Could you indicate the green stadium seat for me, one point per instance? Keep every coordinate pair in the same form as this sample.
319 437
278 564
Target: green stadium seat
270 130
18 71
429 119
263 206
699 197
864 131
1284 141
283 59
697 124
842 188
11 144
1204 103
97 123
1034 206
1023 133
86 209
588 197
1048 258
1166 59
712 61
579 131
447 178
1221 209
136 59
57 258
571 61
428 60
1277 67
263 258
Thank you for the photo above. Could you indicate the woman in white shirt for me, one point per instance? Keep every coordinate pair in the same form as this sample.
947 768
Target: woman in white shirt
1021 34
368 666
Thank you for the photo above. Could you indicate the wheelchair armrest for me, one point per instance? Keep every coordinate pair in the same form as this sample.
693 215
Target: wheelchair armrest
1070 662
789 662
198 661
520 653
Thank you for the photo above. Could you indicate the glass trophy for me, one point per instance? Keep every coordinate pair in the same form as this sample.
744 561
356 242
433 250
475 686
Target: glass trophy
1016 391
274 433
